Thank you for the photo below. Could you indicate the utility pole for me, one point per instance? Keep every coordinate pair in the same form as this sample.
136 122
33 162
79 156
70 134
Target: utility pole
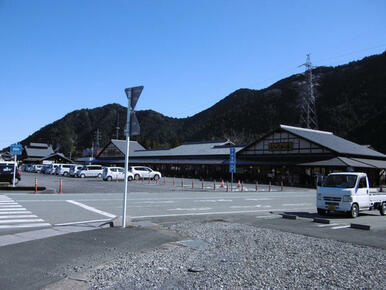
308 116
117 127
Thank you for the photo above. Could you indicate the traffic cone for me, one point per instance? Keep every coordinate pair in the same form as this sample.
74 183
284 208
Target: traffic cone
242 186
257 186
202 184
222 183
192 184
60 186
182 182
227 189
214 184
270 186
239 184
281 186
174 181
36 185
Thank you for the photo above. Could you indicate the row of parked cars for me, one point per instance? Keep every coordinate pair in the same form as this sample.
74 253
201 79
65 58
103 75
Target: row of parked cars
83 171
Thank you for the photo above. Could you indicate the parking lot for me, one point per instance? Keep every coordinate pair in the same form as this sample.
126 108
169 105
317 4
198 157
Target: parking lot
97 185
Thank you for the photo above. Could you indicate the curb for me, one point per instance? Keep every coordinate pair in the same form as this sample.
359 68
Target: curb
289 216
360 227
321 221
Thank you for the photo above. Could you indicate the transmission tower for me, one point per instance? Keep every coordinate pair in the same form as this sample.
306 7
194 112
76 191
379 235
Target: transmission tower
97 139
308 117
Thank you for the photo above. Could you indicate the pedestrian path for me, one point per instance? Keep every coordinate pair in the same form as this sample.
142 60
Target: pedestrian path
13 215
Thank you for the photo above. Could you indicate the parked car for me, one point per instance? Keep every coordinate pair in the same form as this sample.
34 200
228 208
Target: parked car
90 171
144 172
63 169
114 173
37 168
45 168
74 169
51 168
6 172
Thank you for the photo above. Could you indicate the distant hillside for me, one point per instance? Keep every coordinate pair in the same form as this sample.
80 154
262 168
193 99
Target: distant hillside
351 102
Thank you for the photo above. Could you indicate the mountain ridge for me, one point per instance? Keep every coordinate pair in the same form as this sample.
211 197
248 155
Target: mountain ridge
350 102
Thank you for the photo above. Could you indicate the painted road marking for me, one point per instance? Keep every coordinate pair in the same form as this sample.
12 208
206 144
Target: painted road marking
13 215
34 225
193 208
340 227
207 213
328 225
246 206
14 212
93 209
18 216
295 204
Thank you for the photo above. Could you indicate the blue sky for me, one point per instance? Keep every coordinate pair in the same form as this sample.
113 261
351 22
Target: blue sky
59 56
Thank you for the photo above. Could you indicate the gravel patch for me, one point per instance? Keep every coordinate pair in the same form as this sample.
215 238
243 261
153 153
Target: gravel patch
239 256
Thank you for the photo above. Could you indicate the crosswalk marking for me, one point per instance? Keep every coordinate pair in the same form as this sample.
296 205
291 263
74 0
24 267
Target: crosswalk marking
13 215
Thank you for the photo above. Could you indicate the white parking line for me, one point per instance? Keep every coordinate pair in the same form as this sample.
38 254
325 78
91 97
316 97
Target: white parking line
15 212
93 209
193 208
13 209
328 225
340 227
10 205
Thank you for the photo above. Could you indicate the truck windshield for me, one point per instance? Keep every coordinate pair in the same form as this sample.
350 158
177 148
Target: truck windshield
340 180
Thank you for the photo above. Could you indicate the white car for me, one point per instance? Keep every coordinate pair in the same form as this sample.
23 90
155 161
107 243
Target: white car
116 173
74 169
64 169
90 171
144 172
37 168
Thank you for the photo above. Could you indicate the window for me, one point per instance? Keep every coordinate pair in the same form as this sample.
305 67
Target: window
341 181
362 183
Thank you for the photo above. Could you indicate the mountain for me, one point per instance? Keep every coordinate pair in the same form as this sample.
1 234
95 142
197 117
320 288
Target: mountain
351 102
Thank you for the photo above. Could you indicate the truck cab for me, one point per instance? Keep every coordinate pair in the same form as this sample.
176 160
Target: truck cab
348 192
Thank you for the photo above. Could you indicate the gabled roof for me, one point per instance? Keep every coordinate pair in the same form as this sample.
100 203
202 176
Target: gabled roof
37 151
208 148
121 145
60 155
332 142
38 145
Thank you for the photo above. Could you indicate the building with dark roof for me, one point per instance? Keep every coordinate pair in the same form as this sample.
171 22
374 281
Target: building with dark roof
292 155
36 151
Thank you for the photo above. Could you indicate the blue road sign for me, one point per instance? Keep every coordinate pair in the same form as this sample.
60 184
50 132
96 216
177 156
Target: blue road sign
232 160
16 149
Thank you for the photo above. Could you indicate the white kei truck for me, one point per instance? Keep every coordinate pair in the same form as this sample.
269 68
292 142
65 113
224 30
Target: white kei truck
348 192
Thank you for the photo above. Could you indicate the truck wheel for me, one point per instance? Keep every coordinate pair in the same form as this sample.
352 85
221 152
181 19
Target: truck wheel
382 210
109 178
136 177
354 211
130 178
321 211
82 176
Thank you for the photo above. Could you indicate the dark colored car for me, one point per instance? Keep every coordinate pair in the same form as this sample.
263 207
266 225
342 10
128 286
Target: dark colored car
6 173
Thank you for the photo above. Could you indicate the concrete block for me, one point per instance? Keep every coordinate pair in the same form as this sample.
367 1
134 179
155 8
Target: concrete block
289 216
321 221
360 227
117 222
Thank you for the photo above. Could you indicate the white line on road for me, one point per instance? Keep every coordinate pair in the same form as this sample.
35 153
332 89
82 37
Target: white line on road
246 206
25 226
328 225
295 204
206 213
10 205
14 209
93 209
14 212
18 216
21 221
340 227
257 199
194 209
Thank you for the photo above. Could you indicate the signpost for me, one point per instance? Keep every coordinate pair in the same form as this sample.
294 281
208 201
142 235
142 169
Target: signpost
132 97
16 149
232 164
